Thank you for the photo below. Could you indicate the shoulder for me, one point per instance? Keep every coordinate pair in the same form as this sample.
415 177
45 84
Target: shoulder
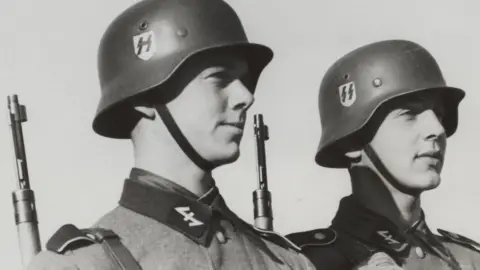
274 238
52 261
458 240
280 246
73 248
314 238
86 257
320 247
465 250
327 248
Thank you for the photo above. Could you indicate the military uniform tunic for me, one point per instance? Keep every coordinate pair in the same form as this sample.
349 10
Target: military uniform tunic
356 233
166 227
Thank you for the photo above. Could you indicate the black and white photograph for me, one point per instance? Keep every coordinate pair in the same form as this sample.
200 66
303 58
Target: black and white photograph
240 135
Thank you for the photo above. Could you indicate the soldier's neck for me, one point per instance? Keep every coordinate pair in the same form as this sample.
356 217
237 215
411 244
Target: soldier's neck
380 196
169 161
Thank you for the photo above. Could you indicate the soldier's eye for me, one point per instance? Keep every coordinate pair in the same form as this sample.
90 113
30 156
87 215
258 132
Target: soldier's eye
221 78
408 114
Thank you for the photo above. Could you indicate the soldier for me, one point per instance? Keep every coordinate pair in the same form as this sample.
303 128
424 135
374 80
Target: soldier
177 78
386 113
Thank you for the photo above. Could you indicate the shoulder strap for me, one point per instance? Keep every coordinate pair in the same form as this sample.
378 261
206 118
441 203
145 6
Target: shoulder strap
69 237
316 238
459 239
275 238
352 251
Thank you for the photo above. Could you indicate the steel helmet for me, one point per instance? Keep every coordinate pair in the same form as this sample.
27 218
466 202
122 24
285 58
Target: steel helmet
357 84
145 45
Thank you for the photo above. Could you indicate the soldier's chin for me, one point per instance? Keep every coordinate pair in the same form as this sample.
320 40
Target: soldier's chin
233 158
227 157
429 181
434 183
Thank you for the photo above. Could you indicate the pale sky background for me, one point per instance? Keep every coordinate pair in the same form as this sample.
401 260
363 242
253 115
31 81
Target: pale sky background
48 57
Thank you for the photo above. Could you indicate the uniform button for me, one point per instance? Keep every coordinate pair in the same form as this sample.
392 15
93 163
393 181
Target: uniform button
420 252
319 236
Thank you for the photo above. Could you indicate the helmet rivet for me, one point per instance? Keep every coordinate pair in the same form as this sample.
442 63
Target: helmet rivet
377 82
182 32
143 25
346 76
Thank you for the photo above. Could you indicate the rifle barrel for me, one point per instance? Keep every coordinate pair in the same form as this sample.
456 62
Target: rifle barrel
24 197
262 196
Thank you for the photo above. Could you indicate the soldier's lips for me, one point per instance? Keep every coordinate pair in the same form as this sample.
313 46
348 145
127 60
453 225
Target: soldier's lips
239 125
433 156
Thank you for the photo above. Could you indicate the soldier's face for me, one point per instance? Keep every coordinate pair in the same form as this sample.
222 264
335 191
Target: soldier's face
211 109
411 142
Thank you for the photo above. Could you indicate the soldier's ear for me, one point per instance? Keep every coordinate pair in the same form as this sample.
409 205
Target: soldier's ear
147 112
355 156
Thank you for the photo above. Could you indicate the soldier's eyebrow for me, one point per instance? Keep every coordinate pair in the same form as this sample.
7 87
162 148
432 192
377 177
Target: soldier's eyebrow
212 71
233 68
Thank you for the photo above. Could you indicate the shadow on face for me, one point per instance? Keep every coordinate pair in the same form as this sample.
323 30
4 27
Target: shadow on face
192 68
413 104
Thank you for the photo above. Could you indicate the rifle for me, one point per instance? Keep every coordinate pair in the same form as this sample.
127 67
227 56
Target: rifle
262 210
23 197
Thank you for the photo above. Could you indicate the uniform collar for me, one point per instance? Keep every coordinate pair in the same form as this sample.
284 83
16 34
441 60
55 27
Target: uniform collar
360 222
171 204
160 182
377 231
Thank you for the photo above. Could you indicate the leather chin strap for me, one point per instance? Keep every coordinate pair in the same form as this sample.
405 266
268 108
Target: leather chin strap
382 169
181 140
379 164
